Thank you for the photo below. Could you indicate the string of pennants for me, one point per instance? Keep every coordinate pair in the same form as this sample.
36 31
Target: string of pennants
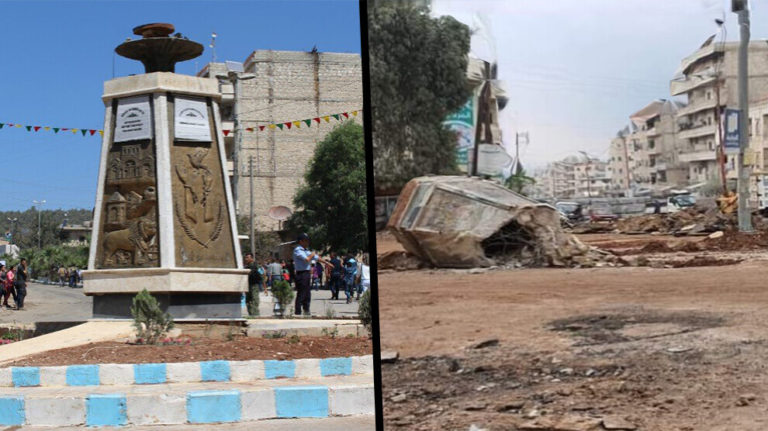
289 124
298 123
55 129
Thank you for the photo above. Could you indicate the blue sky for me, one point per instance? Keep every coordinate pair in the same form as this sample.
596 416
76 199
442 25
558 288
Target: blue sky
55 56
575 70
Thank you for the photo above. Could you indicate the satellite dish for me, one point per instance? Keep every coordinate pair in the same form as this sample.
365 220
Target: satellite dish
279 213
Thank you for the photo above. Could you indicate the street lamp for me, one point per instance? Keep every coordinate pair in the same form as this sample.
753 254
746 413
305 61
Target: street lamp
39 215
13 227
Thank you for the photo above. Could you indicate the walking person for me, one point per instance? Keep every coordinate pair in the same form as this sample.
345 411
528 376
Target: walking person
350 276
364 276
336 270
302 258
62 275
254 281
5 293
21 283
275 272
10 287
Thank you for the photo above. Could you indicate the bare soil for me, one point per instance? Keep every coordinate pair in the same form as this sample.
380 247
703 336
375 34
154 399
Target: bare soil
202 349
578 349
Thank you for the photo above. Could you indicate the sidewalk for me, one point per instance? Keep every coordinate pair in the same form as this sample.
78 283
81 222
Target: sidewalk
320 306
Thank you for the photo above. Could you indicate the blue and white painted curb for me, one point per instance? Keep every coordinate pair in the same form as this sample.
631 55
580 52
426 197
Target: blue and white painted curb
183 372
197 407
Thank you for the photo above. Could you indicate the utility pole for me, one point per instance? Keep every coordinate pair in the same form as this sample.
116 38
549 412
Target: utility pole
589 179
253 231
741 8
519 135
236 78
38 204
626 163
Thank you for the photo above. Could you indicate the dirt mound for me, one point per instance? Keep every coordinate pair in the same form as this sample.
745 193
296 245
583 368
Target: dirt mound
690 221
738 241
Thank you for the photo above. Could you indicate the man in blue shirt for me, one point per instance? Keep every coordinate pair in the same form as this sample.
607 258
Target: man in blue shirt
302 260
350 275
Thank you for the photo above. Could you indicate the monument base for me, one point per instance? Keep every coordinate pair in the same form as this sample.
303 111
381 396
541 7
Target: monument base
185 293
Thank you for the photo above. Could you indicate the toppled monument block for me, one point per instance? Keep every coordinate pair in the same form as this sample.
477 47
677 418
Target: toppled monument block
465 222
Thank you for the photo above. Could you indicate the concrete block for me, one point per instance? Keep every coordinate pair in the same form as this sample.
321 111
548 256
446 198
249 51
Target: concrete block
55 411
6 378
347 330
352 400
246 371
214 371
258 404
362 364
336 367
213 406
12 410
25 376
53 376
307 368
301 402
144 374
157 408
276 369
83 375
183 372
116 374
105 410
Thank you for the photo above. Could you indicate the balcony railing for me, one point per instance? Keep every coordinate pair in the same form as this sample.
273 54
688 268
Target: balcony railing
688 132
697 156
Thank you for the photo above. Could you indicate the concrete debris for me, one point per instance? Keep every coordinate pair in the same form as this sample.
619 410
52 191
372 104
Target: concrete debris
618 423
465 222
389 356
399 261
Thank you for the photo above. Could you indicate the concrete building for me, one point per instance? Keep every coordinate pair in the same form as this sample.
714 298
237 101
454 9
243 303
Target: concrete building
704 77
574 177
288 86
644 155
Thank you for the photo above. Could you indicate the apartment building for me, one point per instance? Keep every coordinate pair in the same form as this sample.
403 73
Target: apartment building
288 86
706 77
574 176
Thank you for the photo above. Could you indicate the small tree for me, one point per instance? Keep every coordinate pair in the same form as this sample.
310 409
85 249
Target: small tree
149 320
519 181
364 310
283 294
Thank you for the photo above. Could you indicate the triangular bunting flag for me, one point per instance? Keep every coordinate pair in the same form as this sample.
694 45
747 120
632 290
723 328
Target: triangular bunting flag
354 113
226 132
345 114
101 132
261 128
308 121
250 129
55 130
74 131
37 128
327 119
28 128
46 128
18 125
336 116
297 124
83 131
1 125
91 132
280 126
271 126
10 124
64 129
289 124
317 119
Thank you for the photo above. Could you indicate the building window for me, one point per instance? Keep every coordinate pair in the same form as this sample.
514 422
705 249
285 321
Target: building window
709 95
651 144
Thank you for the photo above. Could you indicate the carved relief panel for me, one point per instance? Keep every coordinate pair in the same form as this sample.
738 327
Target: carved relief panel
202 229
128 236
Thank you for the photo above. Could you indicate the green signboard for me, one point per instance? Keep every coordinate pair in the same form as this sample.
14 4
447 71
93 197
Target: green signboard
463 123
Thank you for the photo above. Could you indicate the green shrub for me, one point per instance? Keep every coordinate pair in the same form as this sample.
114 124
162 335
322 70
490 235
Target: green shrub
283 294
149 320
364 310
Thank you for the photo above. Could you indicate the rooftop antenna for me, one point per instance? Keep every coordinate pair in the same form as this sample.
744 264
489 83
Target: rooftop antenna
213 46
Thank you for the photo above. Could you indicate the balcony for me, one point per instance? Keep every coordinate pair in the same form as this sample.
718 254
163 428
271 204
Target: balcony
697 156
697 107
694 132
688 84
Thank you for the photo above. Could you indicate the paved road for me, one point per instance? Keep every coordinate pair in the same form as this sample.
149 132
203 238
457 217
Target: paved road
49 303
353 423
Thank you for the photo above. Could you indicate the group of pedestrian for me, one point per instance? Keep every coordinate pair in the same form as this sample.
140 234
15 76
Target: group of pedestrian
14 284
307 270
71 276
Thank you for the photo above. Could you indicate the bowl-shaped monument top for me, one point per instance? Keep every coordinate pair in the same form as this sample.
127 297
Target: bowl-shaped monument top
157 49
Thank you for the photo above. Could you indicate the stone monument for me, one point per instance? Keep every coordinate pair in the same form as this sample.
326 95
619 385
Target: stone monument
164 217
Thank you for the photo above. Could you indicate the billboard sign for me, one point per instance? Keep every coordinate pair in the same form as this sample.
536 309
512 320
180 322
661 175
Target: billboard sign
462 122
732 124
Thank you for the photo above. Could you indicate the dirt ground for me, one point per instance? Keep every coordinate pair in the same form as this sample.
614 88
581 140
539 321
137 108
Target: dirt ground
202 349
577 349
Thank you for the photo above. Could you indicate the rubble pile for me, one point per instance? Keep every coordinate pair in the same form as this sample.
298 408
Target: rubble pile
465 222
698 220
